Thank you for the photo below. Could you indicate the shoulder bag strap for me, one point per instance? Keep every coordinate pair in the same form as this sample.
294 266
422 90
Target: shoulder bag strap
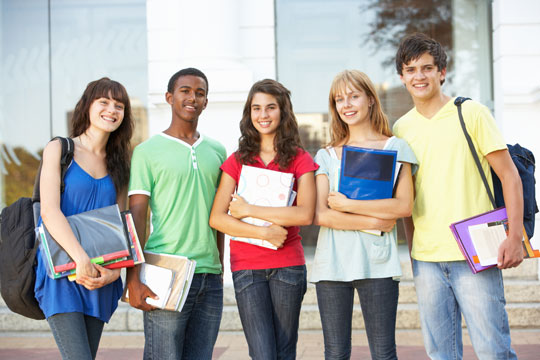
68 148
460 100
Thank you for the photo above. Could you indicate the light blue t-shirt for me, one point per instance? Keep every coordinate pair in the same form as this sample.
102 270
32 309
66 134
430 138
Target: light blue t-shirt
347 255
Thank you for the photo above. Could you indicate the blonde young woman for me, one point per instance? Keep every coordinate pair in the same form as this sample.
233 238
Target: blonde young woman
346 258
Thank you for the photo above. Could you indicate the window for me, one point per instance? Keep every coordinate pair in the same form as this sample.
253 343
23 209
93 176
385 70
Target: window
316 39
49 52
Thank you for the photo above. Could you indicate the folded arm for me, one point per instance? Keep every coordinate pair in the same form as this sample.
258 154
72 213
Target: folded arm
325 216
225 223
393 208
298 215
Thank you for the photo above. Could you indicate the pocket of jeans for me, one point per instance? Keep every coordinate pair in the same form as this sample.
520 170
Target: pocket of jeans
292 275
242 279
379 251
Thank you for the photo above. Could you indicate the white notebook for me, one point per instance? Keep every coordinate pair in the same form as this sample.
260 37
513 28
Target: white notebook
159 280
265 188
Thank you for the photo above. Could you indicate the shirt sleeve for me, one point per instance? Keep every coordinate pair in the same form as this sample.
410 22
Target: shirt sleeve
303 163
321 158
405 154
141 178
232 167
486 133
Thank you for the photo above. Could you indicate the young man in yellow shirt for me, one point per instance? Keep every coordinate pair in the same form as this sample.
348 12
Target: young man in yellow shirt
448 189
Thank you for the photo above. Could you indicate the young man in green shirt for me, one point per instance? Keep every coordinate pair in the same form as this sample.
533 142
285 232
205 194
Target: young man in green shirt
176 174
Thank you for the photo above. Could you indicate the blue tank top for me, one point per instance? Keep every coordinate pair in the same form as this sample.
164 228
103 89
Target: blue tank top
82 193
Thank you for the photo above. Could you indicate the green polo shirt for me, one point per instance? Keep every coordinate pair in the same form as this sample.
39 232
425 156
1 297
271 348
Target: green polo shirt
181 181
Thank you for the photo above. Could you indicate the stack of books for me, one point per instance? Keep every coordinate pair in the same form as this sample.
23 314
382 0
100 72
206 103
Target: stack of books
108 237
169 277
264 187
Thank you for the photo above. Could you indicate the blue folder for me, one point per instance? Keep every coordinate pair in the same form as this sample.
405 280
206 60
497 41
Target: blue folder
367 174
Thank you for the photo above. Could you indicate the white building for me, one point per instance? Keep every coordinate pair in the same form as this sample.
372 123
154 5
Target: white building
50 50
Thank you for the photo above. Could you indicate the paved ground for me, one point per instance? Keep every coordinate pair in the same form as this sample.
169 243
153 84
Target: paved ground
232 346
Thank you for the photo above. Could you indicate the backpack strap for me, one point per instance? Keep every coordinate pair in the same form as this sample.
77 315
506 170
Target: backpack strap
460 100
68 148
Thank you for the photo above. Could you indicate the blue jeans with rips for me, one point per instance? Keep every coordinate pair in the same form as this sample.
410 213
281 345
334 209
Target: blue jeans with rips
269 303
378 299
191 333
445 290
77 335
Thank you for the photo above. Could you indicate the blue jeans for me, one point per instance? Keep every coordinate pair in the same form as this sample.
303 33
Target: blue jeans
269 303
191 333
378 299
77 335
445 290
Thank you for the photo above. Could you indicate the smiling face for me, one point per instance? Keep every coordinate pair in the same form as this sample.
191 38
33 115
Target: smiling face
188 99
353 106
106 114
422 78
265 114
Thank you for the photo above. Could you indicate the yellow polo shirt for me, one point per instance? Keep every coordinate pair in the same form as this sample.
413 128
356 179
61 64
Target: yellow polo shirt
447 183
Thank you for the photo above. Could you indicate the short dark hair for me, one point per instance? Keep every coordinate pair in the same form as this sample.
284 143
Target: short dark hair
415 45
186 72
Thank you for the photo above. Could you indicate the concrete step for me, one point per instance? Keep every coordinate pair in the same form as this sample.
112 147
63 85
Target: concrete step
522 290
516 291
521 316
523 306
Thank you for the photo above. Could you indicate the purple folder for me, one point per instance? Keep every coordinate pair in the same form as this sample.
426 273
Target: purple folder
460 230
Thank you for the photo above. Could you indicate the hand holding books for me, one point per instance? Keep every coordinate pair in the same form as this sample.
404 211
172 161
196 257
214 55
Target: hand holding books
262 187
365 174
107 236
479 238
167 276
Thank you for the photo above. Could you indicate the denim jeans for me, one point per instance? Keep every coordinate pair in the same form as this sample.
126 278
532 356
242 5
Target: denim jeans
445 290
191 333
269 303
378 299
77 335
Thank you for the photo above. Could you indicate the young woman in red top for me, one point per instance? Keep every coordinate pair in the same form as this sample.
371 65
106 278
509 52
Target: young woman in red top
269 284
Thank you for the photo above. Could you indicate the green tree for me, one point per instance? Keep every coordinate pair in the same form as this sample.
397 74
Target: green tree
395 19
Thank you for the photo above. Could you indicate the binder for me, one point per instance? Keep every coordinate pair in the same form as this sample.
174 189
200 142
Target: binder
160 280
100 233
132 239
477 242
266 188
367 174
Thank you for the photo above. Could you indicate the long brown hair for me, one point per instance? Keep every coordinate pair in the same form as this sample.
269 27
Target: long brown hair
339 130
118 148
287 140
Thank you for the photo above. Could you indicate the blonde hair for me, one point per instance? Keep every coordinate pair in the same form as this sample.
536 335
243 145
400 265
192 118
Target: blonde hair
339 130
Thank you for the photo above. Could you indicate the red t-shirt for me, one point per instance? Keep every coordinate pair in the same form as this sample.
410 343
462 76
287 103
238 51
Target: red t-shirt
245 256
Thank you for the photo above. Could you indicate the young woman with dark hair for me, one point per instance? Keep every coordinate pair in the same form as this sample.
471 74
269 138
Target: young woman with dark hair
269 284
97 177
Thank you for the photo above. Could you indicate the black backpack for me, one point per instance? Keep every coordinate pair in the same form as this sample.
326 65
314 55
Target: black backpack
524 160
18 245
